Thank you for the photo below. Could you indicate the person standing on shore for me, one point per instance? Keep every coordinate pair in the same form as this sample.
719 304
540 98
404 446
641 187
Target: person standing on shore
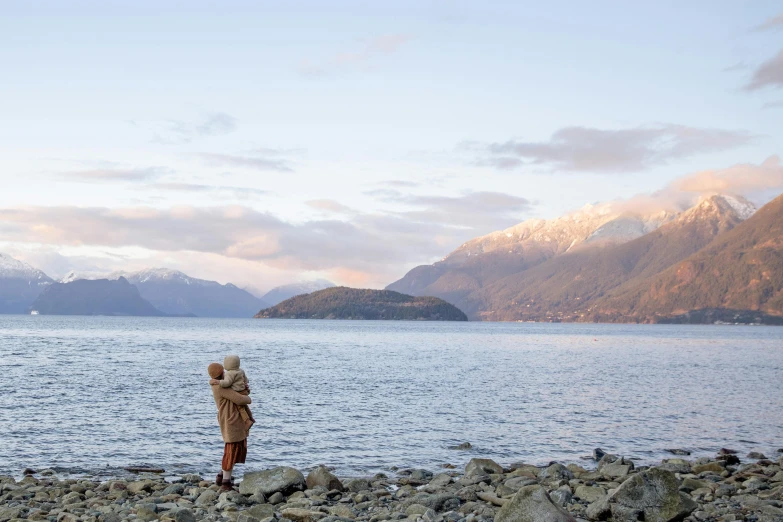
233 428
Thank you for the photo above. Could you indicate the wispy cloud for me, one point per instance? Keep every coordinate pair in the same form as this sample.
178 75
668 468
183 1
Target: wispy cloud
773 105
236 192
128 175
182 131
329 205
476 211
360 59
745 179
773 23
584 149
768 74
248 162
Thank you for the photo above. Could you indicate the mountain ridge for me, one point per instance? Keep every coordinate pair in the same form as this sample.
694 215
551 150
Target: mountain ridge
355 303
177 293
562 276
94 297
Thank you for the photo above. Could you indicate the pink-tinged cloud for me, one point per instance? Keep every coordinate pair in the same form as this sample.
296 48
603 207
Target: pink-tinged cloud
745 179
768 74
773 23
585 149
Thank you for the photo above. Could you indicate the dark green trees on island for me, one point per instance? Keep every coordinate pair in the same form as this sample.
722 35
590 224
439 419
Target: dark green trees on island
352 303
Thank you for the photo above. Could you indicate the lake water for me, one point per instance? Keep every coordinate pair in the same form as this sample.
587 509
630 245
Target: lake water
94 394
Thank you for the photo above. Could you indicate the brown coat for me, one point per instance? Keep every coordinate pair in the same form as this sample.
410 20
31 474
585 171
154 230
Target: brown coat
232 427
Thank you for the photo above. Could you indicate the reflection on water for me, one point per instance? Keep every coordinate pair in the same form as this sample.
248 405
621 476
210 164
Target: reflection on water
86 392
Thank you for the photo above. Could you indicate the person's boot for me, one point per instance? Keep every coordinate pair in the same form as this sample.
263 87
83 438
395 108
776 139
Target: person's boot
227 485
219 479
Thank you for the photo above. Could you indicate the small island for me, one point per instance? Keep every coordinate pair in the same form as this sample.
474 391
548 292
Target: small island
353 303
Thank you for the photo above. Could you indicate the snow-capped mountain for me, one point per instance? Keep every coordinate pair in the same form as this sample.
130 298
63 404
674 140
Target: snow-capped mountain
20 285
11 268
177 293
542 259
283 292
605 223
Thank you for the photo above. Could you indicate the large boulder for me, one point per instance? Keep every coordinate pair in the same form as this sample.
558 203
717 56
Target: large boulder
532 504
281 479
482 467
652 496
320 476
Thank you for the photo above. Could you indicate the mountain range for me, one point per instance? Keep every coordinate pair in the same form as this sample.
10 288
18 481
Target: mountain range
283 292
607 264
170 292
20 285
94 297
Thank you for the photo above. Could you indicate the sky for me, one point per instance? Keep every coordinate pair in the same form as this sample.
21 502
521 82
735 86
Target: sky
263 143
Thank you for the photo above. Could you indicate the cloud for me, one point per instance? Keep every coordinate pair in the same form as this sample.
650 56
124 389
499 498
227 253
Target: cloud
329 205
744 179
238 192
584 149
361 59
773 105
375 246
773 23
768 74
477 211
133 175
208 124
248 162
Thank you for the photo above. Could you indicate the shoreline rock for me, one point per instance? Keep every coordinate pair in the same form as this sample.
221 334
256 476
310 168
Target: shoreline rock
698 490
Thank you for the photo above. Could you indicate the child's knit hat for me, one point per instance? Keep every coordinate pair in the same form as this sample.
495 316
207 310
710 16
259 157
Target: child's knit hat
231 362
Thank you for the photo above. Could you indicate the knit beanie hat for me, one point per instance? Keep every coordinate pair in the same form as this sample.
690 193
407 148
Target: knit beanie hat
215 370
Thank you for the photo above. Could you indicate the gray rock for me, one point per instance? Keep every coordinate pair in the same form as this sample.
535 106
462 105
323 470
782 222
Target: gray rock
615 470
653 495
184 515
191 478
421 475
532 504
244 517
756 455
416 509
678 451
675 465
437 501
261 511
281 479
556 472
519 482
321 476
302 515
589 493
440 480
357 485
482 467
174 489
562 496
233 497
207 497
276 498
463 446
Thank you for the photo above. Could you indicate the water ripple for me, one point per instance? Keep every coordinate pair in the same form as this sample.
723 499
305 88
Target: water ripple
95 393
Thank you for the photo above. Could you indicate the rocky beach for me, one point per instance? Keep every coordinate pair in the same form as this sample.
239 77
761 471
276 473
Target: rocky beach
724 488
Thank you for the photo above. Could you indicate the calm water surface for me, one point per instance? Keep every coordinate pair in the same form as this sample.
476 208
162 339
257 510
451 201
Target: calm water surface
94 394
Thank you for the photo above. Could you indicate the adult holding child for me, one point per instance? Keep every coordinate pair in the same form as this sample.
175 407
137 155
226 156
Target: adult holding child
233 427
